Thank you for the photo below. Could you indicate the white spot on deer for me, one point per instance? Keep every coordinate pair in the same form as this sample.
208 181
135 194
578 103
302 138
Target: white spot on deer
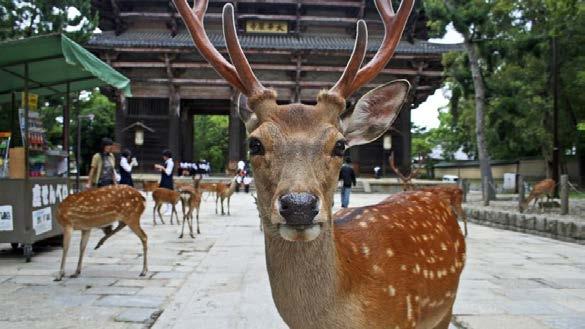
416 269
389 252
391 291
443 246
377 269
365 250
426 274
403 267
409 307
354 248
364 224
452 269
385 217
431 275
375 210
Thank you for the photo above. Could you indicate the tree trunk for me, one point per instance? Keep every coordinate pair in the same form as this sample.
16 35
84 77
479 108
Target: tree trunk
480 109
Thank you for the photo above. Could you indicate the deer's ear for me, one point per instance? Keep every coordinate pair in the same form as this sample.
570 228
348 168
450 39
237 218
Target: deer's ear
375 112
248 117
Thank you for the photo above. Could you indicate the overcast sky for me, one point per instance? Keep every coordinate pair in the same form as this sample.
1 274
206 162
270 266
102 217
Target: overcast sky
427 114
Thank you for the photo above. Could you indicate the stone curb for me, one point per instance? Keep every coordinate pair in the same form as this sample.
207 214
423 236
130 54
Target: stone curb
528 223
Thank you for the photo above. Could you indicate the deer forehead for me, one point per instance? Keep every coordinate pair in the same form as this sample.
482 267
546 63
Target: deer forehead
308 135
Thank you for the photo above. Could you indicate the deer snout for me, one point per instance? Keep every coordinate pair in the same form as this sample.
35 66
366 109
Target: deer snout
298 208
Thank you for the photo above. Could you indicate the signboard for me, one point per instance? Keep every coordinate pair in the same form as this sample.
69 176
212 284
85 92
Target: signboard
33 101
509 181
48 194
42 220
6 218
276 27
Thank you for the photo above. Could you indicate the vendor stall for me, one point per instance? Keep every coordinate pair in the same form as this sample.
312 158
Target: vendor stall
34 175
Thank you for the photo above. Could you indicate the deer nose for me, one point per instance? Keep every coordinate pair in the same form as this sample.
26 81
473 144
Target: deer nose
298 208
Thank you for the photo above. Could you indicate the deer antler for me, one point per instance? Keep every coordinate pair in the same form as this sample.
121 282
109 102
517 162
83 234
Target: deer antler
239 75
395 169
353 79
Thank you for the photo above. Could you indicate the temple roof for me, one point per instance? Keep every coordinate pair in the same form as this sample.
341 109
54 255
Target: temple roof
154 39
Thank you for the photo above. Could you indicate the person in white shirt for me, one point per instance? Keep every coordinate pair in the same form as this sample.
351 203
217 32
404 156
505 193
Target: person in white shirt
166 170
126 164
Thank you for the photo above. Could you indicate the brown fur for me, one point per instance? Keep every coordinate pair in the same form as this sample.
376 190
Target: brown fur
544 187
453 194
224 192
162 196
97 208
190 200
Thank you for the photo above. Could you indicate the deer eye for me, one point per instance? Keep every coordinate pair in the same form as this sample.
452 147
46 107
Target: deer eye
255 147
339 148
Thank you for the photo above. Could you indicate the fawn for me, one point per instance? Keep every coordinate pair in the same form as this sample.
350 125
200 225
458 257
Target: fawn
190 200
161 196
540 189
223 192
97 208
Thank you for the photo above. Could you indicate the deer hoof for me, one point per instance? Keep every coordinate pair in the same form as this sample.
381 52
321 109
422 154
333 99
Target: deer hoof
143 273
192 236
181 236
58 278
73 276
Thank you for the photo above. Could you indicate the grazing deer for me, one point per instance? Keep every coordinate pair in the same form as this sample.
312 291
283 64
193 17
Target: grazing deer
405 181
224 192
190 200
541 188
392 265
97 208
161 196
450 192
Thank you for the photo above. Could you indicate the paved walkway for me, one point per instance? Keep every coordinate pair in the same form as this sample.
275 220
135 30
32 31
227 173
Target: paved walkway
512 280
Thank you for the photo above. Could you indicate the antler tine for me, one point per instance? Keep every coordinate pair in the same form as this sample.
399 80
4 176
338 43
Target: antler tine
393 26
193 18
237 54
396 170
355 61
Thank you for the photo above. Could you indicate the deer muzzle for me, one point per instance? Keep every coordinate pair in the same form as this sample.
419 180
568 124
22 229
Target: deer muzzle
299 211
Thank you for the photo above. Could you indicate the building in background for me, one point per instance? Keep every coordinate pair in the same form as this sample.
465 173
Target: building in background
298 47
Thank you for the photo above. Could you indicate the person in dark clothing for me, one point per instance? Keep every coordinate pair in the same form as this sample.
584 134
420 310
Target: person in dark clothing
347 175
166 170
126 164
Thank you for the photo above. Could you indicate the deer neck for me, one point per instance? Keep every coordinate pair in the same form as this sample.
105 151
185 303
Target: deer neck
303 278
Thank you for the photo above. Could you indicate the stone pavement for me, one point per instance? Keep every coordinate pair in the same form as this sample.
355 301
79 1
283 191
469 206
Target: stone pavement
218 280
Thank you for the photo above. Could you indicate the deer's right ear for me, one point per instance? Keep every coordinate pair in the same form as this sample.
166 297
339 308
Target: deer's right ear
248 117
375 112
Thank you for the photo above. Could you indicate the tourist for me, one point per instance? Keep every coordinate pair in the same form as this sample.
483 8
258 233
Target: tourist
347 175
166 170
102 170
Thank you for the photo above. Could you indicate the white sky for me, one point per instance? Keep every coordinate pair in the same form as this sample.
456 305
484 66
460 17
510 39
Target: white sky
427 114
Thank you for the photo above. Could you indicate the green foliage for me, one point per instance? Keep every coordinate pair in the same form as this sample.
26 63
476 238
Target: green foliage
25 18
514 42
211 140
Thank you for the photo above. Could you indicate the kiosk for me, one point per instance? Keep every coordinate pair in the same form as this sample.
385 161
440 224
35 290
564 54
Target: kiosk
34 175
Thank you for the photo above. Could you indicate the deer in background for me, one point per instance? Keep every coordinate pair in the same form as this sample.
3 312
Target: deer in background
405 181
391 265
96 208
224 192
450 192
190 200
540 189
161 196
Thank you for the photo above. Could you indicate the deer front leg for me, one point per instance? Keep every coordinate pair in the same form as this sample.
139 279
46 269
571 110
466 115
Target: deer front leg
135 227
82 246
198 232
67 230
216 198
185 216
221 201
228 204
154 214
176 215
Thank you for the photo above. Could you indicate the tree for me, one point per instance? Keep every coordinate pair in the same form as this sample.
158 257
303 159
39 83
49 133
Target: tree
473 20
211 140
25 18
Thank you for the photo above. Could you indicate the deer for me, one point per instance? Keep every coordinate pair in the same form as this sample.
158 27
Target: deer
190 200
450 192
224 192
395 264
162 195
544 187
405 181
99 208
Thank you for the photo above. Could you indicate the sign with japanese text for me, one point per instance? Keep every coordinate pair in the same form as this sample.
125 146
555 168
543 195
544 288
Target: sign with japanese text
48 194
255 26
33 101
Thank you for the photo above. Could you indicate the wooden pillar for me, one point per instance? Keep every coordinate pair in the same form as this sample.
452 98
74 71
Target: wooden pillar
402 144
121 111
186 136
354 154
235 142
174 138
564 194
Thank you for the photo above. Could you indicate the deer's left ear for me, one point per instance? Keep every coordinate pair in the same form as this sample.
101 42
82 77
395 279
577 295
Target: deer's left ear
375 112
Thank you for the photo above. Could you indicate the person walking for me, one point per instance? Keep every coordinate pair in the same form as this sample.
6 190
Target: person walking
102 170
166 170
347 175
127 162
